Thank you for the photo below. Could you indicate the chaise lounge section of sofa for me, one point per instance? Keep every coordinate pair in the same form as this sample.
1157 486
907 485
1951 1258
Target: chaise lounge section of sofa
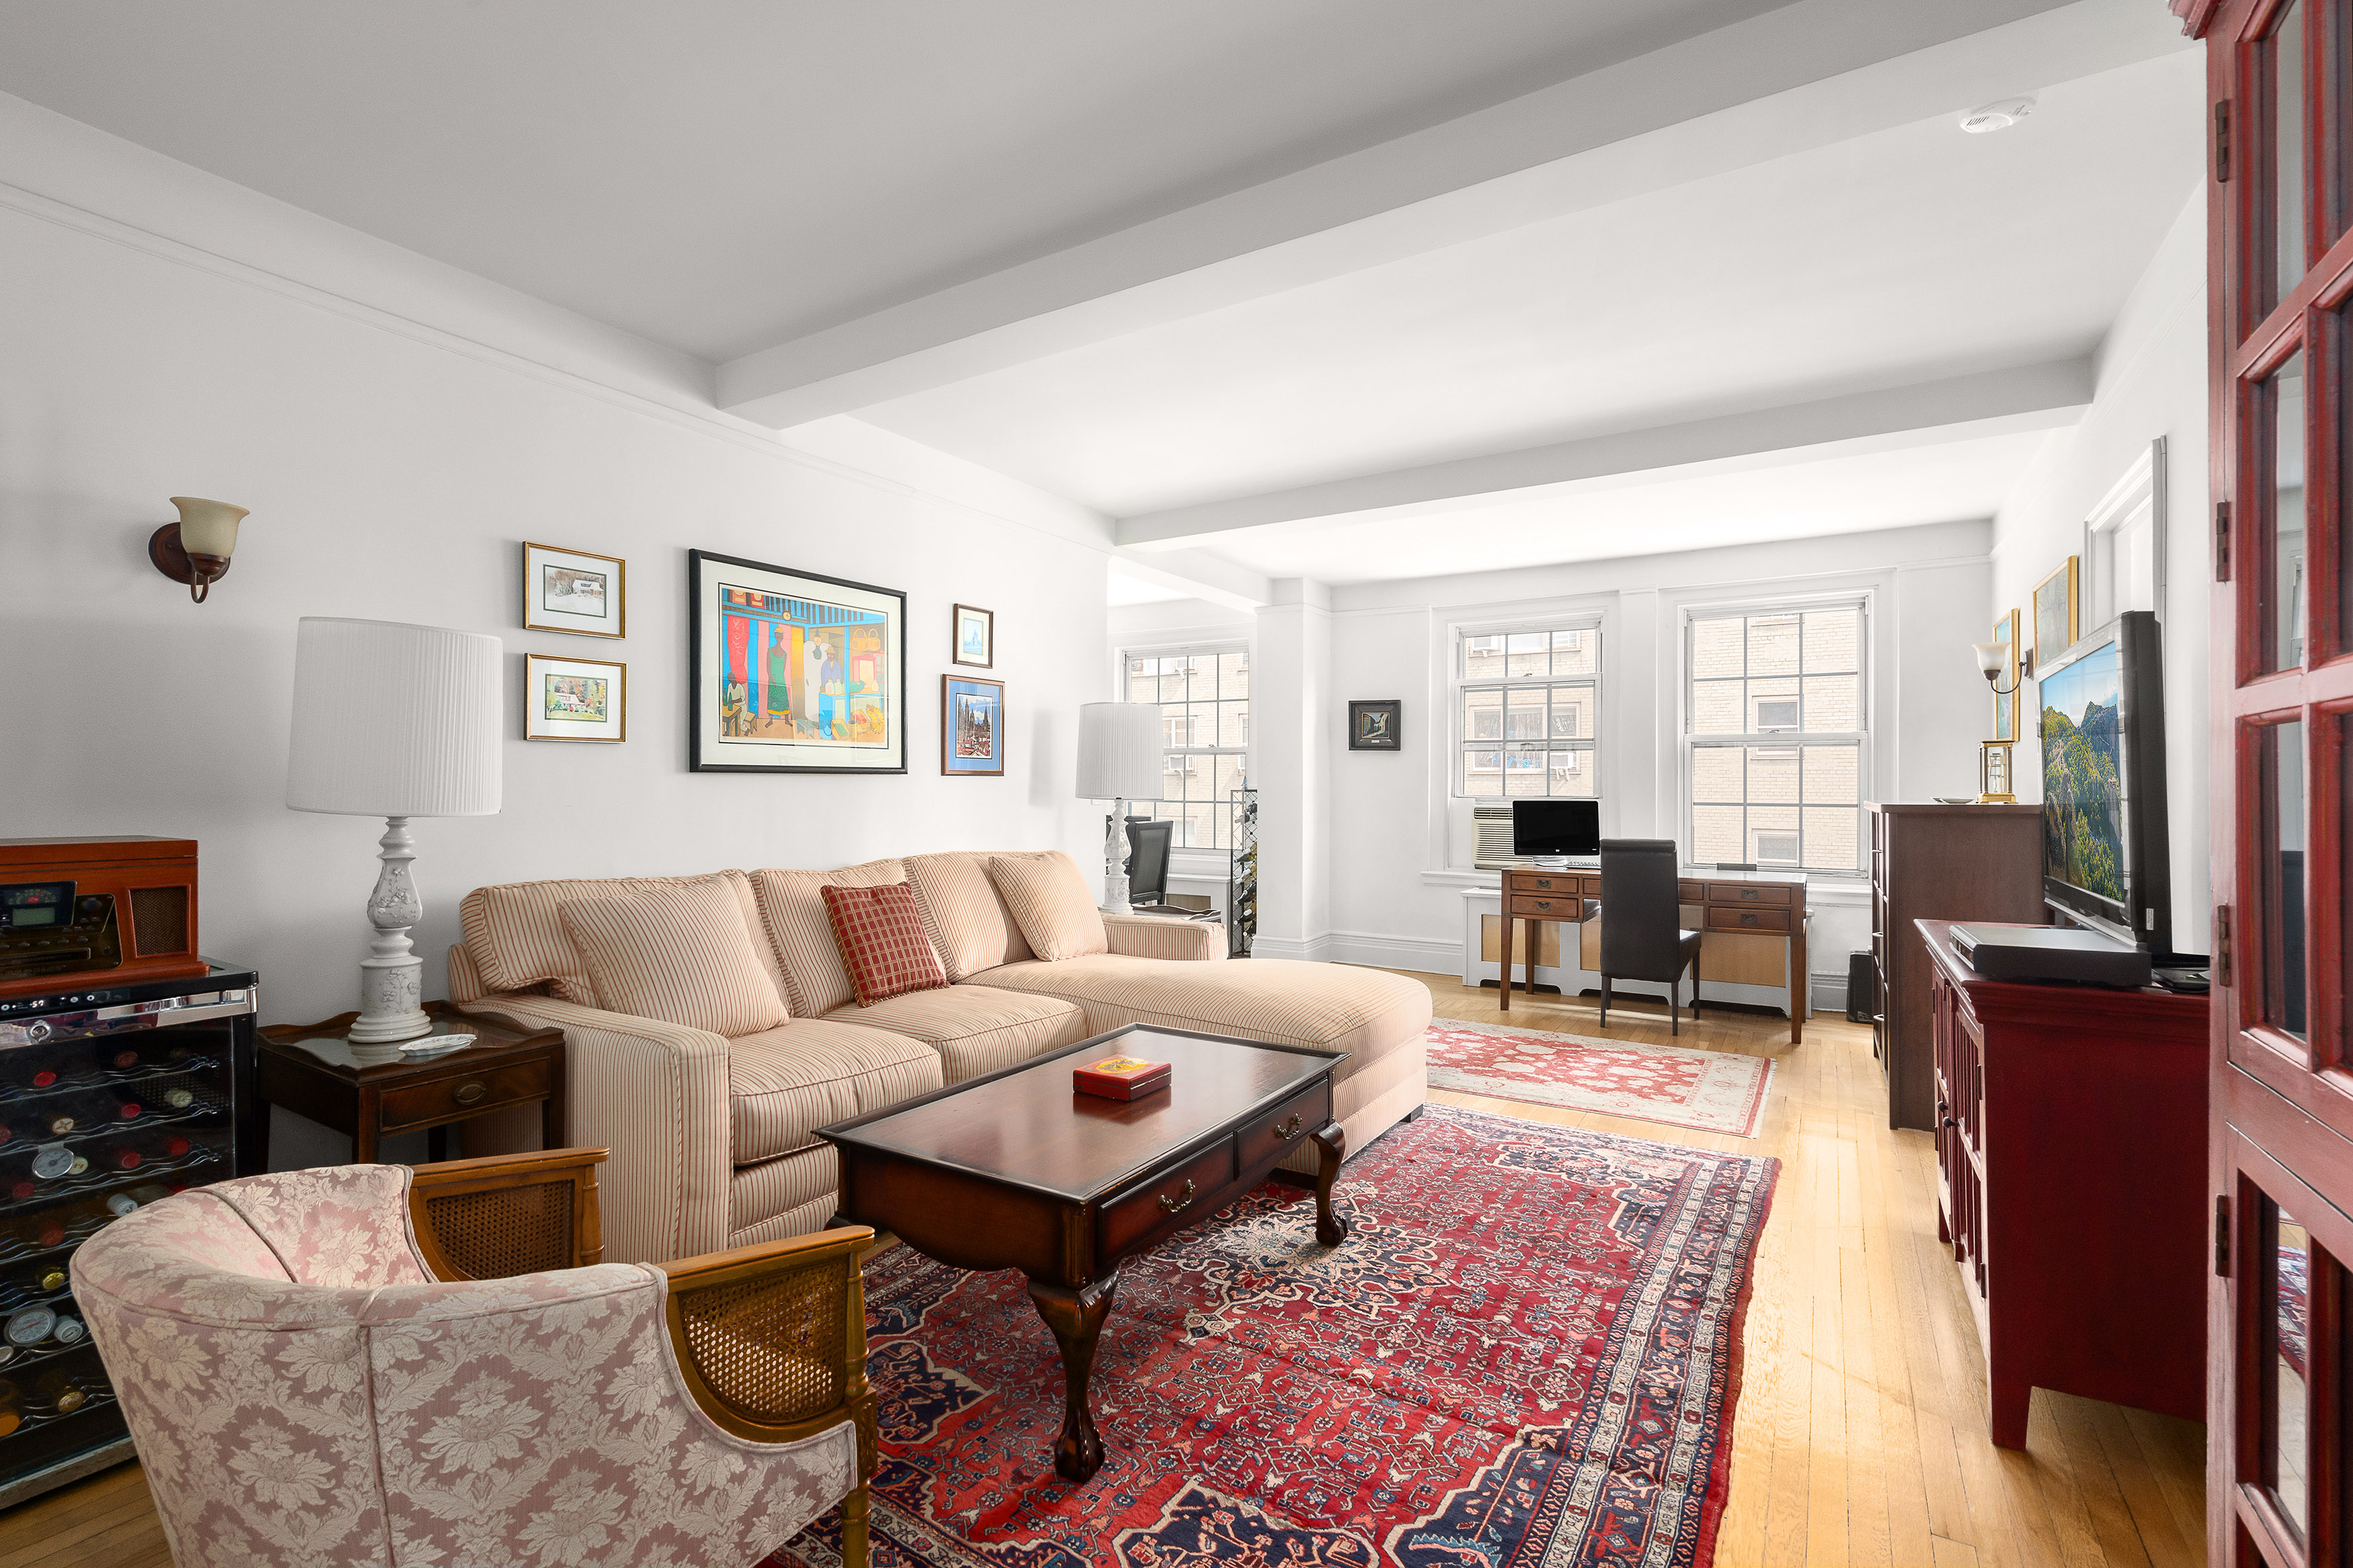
713 1138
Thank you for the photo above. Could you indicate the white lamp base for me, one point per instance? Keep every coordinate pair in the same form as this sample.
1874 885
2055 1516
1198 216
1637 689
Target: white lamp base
391 977
1116 900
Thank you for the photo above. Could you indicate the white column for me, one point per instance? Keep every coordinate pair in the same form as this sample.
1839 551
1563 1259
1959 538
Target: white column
1293 726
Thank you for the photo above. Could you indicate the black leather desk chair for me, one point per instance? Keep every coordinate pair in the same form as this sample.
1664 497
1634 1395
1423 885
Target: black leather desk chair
1641 928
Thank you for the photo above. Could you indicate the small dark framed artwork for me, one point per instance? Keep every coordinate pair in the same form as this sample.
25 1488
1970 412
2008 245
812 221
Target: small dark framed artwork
975 636
972 727
1376 726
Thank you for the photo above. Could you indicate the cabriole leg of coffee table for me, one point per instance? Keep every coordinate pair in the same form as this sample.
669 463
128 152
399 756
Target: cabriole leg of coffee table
1077 1318
1331 1144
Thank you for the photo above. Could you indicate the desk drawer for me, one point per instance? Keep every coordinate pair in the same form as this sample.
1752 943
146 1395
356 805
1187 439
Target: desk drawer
1554 882
1277 1132
1692 892
1720 918
1745 893
1562 907
1160 1204
464 1094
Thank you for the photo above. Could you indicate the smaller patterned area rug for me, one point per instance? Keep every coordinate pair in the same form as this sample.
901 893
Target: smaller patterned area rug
1526 1356
1708 1091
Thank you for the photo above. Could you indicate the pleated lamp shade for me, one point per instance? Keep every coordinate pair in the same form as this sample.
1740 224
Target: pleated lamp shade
393 721
1121 747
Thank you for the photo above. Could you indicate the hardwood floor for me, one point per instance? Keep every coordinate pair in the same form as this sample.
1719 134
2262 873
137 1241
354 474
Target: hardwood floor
1860 1436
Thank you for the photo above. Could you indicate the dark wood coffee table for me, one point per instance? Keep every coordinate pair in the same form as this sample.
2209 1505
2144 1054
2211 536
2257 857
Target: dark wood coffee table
1017 1170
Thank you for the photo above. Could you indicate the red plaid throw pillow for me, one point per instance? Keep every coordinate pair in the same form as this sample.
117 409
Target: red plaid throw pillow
881 934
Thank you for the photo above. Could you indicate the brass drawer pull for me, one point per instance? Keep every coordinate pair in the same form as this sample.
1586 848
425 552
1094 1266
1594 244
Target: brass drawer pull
1290 1129
467 1093
1749 893
1747 919
1183 1200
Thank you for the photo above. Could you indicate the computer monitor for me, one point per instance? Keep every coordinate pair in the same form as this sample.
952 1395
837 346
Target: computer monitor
1147 861
1550 828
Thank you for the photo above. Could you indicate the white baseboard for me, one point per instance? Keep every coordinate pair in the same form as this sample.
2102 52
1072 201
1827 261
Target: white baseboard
1420 954
1315 950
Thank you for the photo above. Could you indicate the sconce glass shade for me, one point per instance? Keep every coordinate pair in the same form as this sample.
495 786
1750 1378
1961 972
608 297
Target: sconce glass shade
1992 659
209 527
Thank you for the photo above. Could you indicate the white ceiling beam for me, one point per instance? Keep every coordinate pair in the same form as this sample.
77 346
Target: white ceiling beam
1990 403
1806 76
1197 575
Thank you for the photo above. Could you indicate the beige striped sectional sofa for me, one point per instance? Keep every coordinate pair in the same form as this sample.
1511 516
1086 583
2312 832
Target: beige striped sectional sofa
712 1138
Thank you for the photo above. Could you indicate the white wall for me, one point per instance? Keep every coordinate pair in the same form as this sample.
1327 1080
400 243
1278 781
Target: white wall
1392 899
2151 383
397 428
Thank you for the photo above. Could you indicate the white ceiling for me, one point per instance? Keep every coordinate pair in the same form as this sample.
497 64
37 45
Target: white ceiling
1892 258
716 174
1199 264
1653 513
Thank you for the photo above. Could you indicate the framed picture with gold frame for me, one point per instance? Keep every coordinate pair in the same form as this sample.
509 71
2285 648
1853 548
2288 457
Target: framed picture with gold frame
1996 783
2005 702
575 698
2056 607
573 590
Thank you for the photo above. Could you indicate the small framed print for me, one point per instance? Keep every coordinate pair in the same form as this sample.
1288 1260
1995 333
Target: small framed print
575 698
976 637
1376 726
572 591
2056 607
2005 703
972 727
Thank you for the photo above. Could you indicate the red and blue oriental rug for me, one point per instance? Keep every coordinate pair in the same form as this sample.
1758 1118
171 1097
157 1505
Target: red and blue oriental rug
1527 1354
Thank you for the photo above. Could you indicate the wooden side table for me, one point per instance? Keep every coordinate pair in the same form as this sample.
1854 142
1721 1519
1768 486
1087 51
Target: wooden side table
505 1066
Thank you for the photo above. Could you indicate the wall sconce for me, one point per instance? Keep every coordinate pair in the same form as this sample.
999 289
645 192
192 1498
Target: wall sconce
1991 658
196 550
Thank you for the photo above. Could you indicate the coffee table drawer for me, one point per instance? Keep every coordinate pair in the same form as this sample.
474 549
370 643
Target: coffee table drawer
1277 1132
445 1099
1162 1203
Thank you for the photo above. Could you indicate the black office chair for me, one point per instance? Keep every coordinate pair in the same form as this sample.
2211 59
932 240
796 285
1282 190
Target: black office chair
1641 923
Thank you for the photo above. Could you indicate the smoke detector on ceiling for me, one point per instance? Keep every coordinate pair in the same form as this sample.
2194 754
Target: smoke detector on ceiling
1999 115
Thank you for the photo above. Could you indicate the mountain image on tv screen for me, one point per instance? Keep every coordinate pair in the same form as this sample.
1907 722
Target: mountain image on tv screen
2082 795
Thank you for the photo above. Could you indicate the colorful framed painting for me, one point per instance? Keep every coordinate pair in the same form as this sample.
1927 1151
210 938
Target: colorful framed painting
975 638
792 672
972 727
2004 705
2055 609
1376 726
572 591
575 698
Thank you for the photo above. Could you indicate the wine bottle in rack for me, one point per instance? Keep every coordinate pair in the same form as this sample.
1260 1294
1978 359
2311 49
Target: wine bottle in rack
11 1408
60 1391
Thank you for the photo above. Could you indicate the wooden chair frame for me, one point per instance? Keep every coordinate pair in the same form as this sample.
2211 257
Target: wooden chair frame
777 1270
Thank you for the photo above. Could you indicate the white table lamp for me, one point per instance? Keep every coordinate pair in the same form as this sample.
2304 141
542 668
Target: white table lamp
1121 755
395 722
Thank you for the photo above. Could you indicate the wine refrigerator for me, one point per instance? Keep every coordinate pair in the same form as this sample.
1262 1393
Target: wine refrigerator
111 1098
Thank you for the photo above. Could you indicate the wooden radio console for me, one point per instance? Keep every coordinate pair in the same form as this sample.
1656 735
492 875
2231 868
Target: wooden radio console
114 909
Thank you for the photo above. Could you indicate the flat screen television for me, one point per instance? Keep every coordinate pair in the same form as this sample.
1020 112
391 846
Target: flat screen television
1550 828
2104 860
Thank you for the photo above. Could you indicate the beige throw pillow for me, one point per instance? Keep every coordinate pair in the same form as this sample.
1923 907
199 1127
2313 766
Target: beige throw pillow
1051 903
682 954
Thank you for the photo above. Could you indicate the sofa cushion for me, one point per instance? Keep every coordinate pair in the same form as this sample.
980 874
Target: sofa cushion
883 945
1333 1007
1051 903
971 927
785 1083
681 954
975 1028
518 943
800 933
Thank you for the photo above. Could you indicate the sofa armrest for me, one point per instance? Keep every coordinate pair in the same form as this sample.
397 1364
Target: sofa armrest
1165 936
656 1095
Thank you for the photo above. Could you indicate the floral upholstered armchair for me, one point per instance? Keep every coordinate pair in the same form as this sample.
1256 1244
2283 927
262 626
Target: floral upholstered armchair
367 1364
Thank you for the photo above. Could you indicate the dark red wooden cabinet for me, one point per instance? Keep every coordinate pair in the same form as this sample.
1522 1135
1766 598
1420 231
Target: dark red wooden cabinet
2071 1180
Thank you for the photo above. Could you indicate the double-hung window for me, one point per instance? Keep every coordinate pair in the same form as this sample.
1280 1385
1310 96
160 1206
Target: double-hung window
1776 735
1203 695
1526 703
